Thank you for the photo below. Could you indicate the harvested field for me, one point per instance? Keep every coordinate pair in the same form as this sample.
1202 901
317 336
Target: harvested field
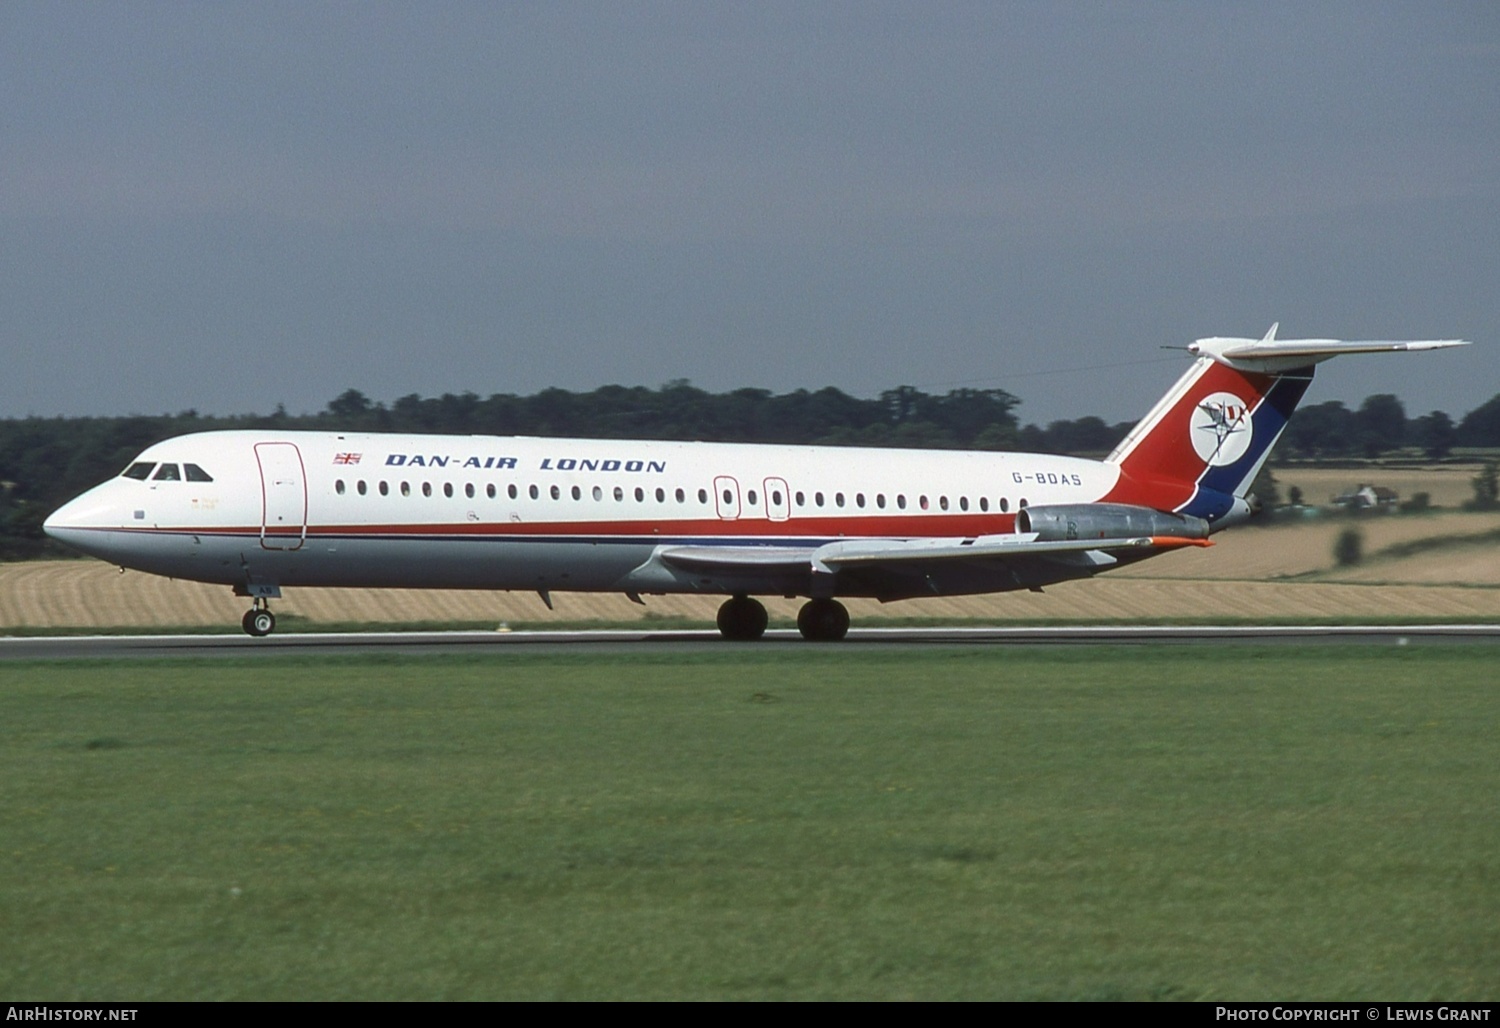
1282 571
1238 577
1306 548
1447 484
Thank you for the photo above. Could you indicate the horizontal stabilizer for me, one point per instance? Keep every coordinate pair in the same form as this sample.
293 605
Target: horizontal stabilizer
1273 355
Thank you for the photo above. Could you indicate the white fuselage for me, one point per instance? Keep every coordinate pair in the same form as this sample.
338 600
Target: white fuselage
488 512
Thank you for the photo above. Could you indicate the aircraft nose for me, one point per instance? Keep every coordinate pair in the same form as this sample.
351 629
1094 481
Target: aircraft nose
77 522
69 515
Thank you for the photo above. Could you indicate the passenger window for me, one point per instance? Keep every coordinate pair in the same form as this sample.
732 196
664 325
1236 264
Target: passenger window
922 503
880 500
469 490
859 499
532 492
405 488
801 499
901 500
598 493
556 493
489 490
943 502
619 494
661 495
426 488
359 487
196 474
1022 504
1004 505
776 497
751 497
818 499
338 487
681 496
640 495
577 493
167 473
728 497
702 495
140 471
838 499
448 489
385 489
963 503
984 503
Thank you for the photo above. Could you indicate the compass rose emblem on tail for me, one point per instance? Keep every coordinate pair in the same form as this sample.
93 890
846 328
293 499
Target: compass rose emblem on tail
1222 429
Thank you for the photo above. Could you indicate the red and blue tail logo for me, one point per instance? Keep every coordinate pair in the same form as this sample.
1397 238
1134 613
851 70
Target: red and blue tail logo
1200 448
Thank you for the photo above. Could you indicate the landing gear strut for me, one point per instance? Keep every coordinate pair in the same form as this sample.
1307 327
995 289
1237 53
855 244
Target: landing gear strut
823 621
742 619
259 620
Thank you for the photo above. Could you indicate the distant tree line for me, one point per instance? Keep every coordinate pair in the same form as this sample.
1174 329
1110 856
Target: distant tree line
45 461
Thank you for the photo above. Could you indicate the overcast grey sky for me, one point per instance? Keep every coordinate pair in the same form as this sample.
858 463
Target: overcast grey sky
229 206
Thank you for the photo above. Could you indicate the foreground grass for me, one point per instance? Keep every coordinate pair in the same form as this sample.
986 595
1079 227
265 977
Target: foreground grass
1140 822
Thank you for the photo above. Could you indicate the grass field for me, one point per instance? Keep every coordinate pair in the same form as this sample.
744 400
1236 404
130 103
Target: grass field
1076 823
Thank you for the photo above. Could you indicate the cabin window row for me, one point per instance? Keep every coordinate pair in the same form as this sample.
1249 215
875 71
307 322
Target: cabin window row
923 502
752 496
492 492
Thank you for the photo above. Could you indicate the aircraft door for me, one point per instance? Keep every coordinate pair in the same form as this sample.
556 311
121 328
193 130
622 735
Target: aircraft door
778 500
727 497
283 490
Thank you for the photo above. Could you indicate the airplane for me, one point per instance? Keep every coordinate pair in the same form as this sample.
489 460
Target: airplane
264 510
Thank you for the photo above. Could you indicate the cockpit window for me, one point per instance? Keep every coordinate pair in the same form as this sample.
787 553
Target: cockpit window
196 474
140 470
167 473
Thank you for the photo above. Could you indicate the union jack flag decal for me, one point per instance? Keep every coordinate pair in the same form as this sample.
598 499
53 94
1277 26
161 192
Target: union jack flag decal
346 458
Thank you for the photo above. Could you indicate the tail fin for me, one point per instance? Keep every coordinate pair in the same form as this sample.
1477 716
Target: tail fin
1201 446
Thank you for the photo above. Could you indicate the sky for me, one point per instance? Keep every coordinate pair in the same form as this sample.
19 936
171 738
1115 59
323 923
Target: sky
229 206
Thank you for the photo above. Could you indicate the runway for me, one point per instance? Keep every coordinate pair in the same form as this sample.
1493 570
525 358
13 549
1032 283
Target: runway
238 646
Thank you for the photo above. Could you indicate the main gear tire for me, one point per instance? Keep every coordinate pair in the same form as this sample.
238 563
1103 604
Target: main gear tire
742 619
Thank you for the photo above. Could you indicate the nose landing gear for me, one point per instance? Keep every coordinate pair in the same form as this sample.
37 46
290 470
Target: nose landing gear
258 620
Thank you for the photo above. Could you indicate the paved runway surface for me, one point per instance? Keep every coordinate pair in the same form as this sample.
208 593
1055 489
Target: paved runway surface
423 643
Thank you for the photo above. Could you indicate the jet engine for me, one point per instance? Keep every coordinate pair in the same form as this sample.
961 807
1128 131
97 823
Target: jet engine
1106 521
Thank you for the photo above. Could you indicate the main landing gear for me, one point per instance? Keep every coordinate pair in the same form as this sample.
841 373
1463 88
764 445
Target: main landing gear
743 619
259 620
823 621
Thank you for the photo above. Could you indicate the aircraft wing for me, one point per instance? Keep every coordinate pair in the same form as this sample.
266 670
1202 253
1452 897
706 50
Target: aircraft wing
891 553
878 552
738 558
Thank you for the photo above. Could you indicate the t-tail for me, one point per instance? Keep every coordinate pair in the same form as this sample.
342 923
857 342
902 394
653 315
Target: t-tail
1199 449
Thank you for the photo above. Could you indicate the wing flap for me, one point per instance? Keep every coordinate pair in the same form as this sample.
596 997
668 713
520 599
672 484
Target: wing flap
738 558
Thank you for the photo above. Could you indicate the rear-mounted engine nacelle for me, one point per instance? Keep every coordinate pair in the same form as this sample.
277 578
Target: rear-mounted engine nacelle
1106 521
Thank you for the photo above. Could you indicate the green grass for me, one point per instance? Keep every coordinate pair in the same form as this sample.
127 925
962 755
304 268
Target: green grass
1080 823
